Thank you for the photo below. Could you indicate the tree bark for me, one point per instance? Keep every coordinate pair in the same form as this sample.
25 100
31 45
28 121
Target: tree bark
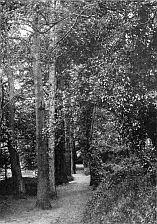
86 117
60 165
52 90
1 71
73 150
1 99
67 136
92 161
52 131
14 156
41 138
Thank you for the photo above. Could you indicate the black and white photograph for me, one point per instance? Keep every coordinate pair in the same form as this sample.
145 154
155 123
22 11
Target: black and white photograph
78 111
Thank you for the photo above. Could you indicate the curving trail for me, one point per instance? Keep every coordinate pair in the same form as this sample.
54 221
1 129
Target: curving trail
73 200
66 209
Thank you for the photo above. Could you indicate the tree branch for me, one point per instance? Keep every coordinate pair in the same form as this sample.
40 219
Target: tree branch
55 23
68 32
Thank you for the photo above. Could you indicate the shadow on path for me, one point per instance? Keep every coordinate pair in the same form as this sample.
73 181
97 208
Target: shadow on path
66 209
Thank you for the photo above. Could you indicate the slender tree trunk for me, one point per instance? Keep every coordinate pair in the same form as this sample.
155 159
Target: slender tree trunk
1 71
52 131
52 90
91 162
67 137
73 156
95 159
1 99
60 166
14 156
86 121
41 138
156 100
73 151
16 169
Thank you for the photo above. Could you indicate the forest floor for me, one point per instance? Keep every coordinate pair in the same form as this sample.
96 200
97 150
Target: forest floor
67 208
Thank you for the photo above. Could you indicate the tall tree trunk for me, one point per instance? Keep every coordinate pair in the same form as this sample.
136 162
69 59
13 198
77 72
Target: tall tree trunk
67 136
73 155
86 118
95 159
60 165
14 156
52 131
1 71
52 90
73 150
1 99
41 138
91 161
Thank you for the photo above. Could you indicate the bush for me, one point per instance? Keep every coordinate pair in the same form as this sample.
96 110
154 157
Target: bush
125 197
7 186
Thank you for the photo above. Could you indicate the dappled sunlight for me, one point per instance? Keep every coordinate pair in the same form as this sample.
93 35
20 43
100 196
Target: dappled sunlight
67 208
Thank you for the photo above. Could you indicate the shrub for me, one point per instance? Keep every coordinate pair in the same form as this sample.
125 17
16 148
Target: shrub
125 197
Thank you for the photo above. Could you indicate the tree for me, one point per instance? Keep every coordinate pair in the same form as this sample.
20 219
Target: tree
72 145
14 156
116 59
52 91
41 137
66 117
1 72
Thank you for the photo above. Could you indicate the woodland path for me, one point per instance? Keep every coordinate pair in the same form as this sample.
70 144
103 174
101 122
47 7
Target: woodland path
66 209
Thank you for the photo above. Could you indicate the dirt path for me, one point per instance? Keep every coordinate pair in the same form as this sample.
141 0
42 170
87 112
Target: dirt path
66 209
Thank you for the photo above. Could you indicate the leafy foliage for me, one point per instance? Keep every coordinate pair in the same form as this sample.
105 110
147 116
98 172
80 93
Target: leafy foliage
126 196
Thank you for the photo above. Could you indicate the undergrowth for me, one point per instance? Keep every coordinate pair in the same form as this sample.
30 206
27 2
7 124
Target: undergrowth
127 196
